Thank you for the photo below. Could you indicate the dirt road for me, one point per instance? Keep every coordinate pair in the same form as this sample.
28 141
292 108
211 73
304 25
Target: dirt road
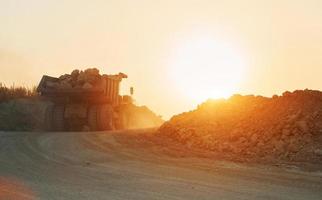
134 165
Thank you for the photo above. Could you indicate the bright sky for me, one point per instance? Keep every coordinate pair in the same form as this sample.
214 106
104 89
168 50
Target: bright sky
176 52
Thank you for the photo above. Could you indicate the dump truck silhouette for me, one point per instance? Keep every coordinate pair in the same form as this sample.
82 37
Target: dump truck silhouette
92 104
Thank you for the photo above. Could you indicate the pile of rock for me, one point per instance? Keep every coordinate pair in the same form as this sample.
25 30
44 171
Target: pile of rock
85 79
287 127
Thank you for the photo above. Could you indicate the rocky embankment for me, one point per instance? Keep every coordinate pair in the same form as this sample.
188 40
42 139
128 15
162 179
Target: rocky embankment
255 128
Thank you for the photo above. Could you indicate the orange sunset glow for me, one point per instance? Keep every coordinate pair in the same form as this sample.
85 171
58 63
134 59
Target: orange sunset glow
161 99
189 50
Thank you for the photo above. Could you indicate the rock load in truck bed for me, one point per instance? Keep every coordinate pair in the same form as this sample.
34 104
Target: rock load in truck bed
286 128
88 79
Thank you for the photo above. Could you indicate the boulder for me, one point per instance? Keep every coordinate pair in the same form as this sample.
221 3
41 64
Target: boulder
87 86
75 74
303 126
63 77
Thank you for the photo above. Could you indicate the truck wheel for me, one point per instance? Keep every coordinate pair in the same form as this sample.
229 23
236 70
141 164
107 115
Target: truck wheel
58 118
105 117
100 118
92 118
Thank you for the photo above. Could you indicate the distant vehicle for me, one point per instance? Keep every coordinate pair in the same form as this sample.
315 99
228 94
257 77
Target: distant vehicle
91 103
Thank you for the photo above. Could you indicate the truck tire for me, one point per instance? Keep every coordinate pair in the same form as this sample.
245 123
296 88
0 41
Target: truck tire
58 118
121 122
105 117
100 117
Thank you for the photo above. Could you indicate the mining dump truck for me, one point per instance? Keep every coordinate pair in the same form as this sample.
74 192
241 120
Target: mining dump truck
83 100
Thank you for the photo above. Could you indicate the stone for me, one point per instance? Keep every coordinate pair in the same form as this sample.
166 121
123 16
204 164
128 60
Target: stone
75 74
303 126
293 147
62 77
279 145
87 86
254 138
81 78
286 132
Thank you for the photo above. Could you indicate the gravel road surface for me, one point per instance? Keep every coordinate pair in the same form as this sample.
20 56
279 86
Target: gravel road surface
135 165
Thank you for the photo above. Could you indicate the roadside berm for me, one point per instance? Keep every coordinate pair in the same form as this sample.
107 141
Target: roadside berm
255 128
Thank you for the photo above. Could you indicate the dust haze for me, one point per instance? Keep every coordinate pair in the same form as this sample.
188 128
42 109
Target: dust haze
179 99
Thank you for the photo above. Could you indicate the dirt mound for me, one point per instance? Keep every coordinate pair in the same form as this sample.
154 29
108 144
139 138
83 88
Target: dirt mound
287 127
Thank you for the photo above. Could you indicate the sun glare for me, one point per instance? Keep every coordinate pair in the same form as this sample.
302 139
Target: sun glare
204 67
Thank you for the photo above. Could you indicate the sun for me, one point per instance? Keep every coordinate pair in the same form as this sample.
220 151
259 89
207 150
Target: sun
204 67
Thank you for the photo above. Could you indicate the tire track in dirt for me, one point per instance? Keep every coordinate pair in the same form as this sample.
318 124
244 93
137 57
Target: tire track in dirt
134 165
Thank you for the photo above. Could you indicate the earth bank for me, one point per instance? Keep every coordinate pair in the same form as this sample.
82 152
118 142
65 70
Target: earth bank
255 128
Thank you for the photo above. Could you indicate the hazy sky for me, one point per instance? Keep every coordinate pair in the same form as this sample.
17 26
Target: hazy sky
171 50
